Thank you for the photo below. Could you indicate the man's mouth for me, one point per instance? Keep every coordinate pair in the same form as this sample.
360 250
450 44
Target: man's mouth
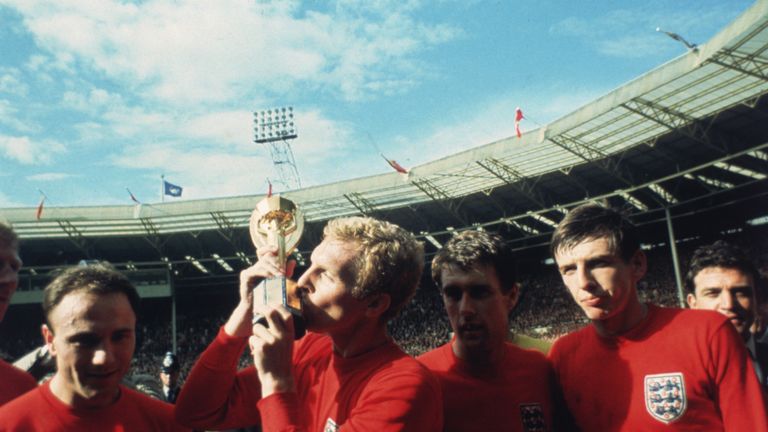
592 301
471 328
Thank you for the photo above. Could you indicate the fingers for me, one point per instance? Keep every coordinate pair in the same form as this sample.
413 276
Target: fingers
278 319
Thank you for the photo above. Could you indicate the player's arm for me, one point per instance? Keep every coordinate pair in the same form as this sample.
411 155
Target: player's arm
739 394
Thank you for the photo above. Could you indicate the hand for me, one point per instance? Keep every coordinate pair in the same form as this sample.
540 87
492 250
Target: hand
239 323
272 350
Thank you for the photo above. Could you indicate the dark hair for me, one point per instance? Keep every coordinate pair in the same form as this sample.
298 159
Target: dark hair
719 254
469 248
100 279
593 221
7 236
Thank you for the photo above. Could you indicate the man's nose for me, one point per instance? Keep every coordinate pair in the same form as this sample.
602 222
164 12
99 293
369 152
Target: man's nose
466 305
103 355
584 279
304 284
726 300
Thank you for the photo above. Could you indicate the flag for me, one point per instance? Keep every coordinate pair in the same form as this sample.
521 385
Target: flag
397 167
269 191
39 212
133 197
518 117
171 189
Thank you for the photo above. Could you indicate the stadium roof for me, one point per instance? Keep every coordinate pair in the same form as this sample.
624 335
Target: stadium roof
687 135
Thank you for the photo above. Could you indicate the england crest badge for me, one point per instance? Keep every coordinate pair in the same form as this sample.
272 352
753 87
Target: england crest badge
532 415
665 396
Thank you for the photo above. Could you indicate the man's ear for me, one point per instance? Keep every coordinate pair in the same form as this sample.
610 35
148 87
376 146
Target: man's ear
48 338
513 297
378 304
639 263
691 300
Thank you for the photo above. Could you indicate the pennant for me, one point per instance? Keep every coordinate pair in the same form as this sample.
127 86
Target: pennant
396 166
39 212
133 197
171 189
518 117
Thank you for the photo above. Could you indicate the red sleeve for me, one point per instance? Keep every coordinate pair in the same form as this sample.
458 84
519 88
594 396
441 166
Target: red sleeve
739 394
283 409
217 396
15 382
399 400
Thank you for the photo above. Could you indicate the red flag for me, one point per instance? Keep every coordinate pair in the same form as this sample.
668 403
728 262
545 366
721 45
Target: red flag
518 117
269 191
397 167
39 212
133 197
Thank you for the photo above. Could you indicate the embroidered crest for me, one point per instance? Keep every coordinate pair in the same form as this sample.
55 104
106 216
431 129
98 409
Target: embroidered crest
330 426
665 396
533 417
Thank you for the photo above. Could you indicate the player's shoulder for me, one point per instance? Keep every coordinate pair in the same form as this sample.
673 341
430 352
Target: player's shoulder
436 356
574 338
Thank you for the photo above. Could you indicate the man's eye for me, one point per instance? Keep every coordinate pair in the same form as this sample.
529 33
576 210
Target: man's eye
452 294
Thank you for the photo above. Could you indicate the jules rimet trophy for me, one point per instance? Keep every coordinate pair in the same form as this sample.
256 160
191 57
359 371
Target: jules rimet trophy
277 222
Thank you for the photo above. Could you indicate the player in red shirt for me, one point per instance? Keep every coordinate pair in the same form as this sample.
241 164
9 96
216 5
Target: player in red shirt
637 366
90 331
13 381
346 373
488 383
721 277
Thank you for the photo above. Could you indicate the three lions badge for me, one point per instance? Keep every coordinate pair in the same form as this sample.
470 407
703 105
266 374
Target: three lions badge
665 396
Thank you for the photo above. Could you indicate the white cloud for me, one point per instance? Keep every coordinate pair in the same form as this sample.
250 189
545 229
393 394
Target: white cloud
194 50
201 173
11 82
630 33
26 151
49 176
6 202
8 117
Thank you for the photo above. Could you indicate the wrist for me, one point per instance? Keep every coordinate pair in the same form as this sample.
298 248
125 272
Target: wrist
239 323
271 384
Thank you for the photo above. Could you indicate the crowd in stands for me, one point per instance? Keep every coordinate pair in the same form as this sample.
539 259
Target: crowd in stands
545 311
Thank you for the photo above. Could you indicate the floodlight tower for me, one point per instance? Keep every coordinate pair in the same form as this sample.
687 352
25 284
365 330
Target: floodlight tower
276 127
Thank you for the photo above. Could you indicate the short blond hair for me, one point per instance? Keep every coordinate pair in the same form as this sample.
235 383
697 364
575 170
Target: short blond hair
390 260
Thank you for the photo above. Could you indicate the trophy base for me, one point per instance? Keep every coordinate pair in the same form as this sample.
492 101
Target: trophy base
299 325
280 291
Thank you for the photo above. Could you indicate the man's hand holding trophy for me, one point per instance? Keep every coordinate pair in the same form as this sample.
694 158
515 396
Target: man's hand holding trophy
276 224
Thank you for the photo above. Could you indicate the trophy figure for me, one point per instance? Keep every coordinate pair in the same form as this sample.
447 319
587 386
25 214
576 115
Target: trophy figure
277 222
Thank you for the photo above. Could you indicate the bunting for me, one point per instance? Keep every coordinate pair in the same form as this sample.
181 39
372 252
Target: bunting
133 197
396 166
39 212
518 116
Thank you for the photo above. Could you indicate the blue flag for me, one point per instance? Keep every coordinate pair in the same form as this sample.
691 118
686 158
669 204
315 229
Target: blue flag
171 189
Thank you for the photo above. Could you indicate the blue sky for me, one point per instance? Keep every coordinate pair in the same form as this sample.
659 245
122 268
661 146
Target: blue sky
97 96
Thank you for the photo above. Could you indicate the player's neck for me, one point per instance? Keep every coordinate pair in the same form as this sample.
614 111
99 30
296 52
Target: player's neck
360 339
70 397
624 321
480 361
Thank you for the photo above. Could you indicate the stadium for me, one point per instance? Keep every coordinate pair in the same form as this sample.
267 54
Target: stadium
682 149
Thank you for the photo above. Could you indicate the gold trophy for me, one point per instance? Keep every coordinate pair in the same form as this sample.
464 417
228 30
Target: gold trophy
277 222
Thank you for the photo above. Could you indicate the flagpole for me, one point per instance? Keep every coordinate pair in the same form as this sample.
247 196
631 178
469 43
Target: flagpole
162 188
